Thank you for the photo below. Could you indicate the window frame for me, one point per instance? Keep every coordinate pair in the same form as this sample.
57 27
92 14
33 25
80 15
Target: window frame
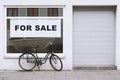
16 55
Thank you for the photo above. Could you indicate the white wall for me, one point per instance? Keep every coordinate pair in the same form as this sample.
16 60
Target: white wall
12 64
95 2
118 37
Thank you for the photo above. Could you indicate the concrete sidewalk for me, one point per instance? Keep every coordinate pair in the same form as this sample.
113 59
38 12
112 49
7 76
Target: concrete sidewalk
62 75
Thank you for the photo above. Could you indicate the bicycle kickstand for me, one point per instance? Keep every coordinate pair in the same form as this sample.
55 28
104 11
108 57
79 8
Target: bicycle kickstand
38 67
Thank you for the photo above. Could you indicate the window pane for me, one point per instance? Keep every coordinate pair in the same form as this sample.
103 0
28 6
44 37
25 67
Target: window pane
42 11
35 12
22 12
52 11
60 11
15 12
12 11
9 11
32 11
29 12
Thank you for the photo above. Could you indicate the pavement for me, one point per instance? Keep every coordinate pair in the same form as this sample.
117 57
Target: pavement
61 75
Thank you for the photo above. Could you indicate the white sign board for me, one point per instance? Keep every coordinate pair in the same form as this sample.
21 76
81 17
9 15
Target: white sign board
35 27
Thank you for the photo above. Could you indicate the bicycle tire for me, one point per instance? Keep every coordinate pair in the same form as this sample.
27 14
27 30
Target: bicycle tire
27 61
55 59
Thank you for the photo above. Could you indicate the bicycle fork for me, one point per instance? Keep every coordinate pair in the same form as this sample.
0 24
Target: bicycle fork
54 59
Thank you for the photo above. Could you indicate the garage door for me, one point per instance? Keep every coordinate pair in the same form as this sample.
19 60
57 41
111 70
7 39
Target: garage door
93 41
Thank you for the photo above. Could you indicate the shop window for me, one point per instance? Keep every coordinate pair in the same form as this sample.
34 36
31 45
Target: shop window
14 44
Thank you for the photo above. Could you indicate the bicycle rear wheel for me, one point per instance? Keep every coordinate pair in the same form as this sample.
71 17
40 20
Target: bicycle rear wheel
27 61
56 63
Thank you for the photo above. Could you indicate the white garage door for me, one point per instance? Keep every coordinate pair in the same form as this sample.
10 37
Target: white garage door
93 40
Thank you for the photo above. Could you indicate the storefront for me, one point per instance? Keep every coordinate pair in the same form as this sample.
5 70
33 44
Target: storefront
85 33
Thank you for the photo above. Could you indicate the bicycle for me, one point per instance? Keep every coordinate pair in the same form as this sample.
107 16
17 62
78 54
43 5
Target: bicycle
28 61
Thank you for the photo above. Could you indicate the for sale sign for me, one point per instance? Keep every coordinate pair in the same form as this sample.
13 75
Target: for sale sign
35 28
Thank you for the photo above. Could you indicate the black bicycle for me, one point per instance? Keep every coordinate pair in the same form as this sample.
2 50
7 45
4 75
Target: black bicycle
28 61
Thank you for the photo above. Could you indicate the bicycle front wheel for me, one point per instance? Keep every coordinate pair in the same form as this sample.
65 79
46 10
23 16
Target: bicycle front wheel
27 61
56 63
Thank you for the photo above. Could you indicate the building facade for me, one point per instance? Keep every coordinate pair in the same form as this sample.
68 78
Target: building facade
87 32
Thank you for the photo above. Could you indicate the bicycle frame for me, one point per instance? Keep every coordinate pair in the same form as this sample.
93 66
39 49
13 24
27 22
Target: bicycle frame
43 60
